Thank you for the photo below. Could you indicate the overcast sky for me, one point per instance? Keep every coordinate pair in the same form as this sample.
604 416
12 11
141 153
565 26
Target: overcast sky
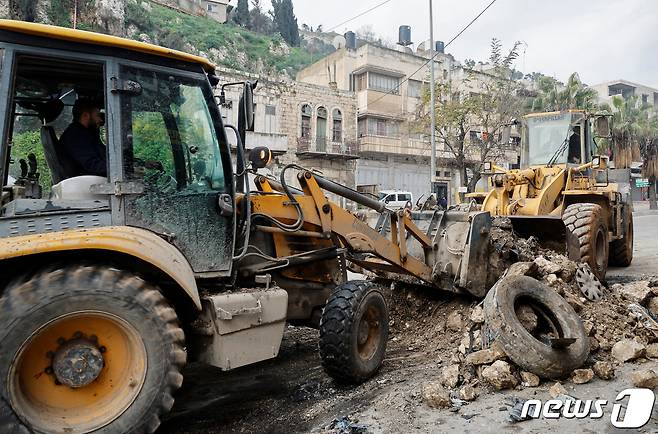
600 39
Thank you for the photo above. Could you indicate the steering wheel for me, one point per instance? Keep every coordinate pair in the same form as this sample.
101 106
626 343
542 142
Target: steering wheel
157 176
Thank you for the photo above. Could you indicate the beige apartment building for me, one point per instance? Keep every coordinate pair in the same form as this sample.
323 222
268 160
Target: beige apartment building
389 84
310 125
625 89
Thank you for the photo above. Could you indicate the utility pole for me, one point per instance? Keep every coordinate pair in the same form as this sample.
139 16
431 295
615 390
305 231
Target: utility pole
432 104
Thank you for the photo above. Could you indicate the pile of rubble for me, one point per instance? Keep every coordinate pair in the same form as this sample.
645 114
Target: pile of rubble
621 327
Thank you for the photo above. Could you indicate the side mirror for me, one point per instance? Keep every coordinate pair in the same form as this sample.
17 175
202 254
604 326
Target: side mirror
602 127
247 105
600 162
260 157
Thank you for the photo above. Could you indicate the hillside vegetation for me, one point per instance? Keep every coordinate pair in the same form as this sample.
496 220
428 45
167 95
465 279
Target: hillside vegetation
225 44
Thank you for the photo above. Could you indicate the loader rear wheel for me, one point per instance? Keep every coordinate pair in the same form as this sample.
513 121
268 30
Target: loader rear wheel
587 236
88 349
621 251
353 332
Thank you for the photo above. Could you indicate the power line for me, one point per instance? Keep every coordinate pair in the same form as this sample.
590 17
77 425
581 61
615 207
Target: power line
359 15
397 88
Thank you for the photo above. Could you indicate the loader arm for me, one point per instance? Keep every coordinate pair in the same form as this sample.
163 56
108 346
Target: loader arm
438 256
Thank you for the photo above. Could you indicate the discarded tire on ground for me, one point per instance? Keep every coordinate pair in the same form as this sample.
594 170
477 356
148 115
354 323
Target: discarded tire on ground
353 332
557 320
587 236
621 250
88 349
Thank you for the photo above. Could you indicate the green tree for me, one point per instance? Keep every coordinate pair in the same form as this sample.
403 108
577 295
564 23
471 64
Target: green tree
635 138
285 21
472 114
241 14
259 21
554 96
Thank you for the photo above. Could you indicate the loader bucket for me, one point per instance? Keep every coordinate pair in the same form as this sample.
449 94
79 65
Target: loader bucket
460 258
549 231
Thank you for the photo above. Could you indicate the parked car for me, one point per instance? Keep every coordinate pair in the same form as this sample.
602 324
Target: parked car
395 199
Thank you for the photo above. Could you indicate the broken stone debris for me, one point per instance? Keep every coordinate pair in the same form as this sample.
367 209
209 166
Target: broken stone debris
435 395
528 379
556 390
467 393
615 334
604 370
450 376
582 376
499 375
646 379
627 349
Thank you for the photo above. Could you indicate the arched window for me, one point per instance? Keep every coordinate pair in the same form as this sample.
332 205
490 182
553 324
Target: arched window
321 130
337 135
307 112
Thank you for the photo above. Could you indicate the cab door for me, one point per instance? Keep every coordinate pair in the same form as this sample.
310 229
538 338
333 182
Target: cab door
175 159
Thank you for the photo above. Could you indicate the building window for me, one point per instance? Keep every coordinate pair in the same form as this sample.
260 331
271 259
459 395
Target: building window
377 127
306 121
383 83
321 130
645 99
210 8
415 89
270 119
360 82
446 174
337 135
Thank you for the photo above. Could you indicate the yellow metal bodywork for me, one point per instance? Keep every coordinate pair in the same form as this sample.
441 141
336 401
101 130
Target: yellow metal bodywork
337 225
84 37
135 242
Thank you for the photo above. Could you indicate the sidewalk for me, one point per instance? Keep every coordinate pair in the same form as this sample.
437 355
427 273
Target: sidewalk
642 209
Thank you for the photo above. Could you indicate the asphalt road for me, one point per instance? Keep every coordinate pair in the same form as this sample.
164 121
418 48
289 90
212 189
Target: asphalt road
645 250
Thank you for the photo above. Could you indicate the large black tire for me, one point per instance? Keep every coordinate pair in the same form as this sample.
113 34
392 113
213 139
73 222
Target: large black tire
587 236
34 307
621 250
353 332
519 344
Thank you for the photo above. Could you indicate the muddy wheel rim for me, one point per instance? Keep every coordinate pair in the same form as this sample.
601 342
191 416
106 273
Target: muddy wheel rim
369 332
47 404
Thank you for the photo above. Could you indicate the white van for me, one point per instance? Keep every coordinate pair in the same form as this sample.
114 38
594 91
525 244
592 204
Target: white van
396 199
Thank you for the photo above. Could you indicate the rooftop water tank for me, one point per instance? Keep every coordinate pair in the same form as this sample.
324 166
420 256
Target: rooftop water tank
405 36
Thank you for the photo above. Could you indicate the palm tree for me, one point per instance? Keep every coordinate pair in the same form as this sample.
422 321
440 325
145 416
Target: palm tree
554 96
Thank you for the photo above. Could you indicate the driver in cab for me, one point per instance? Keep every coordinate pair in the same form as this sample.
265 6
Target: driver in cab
81 144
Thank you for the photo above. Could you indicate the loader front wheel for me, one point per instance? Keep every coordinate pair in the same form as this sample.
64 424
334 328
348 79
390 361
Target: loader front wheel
353 332
587 236
88 349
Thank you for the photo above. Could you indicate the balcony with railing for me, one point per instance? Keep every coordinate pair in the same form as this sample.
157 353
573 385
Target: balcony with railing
323 148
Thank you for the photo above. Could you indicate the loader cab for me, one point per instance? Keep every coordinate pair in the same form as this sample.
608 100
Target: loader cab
555 138
164 150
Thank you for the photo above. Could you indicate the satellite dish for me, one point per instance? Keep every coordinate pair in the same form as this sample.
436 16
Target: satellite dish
339 42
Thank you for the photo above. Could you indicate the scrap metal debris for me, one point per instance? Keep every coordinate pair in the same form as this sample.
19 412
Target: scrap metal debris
588 283
345 425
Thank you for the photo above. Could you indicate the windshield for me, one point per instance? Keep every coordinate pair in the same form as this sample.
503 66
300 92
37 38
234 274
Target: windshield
545 135
173 138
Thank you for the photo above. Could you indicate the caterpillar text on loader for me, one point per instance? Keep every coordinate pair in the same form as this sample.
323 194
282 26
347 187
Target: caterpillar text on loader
564 190
110 284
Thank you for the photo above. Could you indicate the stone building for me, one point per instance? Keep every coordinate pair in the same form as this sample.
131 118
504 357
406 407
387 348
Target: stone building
313 126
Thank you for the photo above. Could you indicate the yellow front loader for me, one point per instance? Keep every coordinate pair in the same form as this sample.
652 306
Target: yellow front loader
564 190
